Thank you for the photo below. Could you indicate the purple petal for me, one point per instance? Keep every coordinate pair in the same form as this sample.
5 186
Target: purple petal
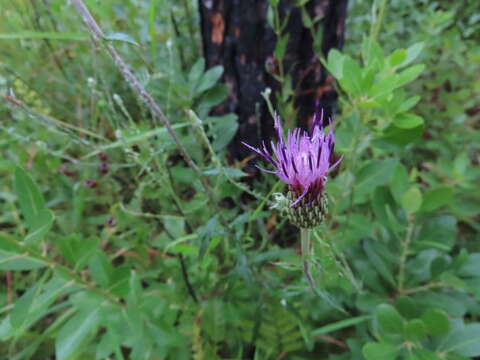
293 164
259 152
278 128
265 170
305 192
319 154
336 164
317 120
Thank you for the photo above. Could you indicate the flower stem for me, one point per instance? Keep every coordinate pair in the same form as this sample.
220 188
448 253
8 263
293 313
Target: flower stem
306 247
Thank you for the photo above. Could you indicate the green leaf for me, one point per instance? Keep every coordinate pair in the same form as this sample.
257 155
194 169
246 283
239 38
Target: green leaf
135 289
38 217
460 165
335 63
19 261
101 269
422 354
223 129
42 225
399 183
372 53
384 88
379 264
77 250
206 235
438 233
453 303
397 57
412 200
437 198
436 321
29 196
374 173
389 320
407 307
306 19
340 325
415 330
174 225
351 81
123 37
464 341
380 351
408 104
398 136
408 121
438 266
471 268
184 249
23 306
209 79
413 51
409 74
281 46
75 332
212 97
196 72
34 303
381 200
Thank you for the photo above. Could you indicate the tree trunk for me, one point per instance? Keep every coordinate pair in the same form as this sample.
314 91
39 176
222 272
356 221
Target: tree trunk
237 36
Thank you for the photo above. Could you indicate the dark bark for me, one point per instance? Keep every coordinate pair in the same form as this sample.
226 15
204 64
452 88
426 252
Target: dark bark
237 36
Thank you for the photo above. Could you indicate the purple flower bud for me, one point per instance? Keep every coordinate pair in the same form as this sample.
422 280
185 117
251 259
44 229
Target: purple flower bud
91 184
111 222
65 171
103 168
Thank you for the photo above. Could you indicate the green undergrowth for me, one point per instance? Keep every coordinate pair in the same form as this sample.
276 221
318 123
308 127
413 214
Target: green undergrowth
111 247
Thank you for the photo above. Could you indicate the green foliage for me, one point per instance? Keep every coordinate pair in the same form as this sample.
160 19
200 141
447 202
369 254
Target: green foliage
112 247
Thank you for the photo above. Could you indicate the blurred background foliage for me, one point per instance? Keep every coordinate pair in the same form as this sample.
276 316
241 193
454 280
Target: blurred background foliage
111 249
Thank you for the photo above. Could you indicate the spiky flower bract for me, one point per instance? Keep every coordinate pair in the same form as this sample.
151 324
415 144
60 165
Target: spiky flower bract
302 161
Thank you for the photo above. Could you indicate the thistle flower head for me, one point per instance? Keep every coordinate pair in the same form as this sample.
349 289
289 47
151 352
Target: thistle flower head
302 160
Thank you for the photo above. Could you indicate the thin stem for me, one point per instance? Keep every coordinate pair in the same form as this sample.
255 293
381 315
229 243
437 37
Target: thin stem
278 33
403 257
186 278
422 288
376 25
305 247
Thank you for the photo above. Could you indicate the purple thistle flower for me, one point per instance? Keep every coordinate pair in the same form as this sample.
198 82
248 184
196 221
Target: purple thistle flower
303 160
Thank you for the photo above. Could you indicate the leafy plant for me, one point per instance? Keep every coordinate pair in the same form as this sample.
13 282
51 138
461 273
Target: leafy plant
113 246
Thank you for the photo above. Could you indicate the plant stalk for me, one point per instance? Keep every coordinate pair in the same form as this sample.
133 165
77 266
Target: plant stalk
305 248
